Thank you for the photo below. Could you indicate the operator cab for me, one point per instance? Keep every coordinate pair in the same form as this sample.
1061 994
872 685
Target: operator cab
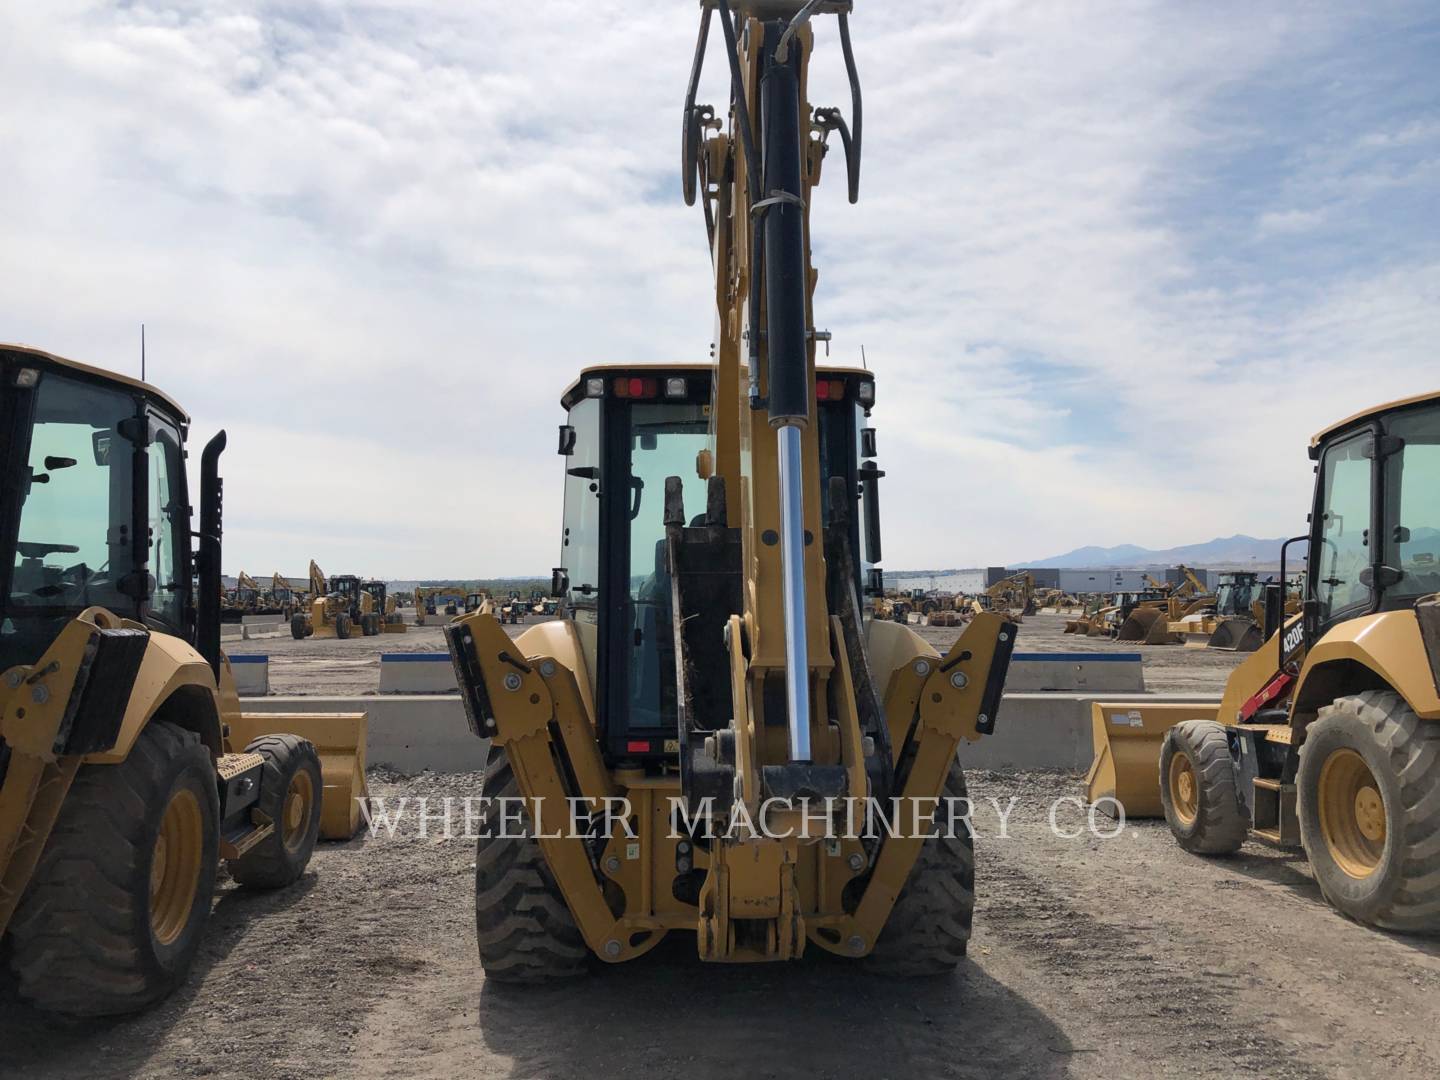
627 431
1375 526
378 590
346 588
93 503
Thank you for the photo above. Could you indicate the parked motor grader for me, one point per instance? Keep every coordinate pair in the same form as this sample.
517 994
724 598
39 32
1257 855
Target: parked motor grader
386 617
716 668
1328 737
127 770
338 608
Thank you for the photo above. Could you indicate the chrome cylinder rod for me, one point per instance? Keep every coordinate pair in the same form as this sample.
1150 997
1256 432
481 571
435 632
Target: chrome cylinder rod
792 558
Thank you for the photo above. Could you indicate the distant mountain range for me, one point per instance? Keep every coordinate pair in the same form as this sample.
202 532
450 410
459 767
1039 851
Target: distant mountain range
1236 550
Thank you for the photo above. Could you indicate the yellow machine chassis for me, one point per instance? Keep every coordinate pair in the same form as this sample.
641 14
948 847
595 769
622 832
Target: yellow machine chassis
796 885
174 681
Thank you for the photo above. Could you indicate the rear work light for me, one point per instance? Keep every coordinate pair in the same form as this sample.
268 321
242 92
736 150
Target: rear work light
676 388
866 393
633 387
594 387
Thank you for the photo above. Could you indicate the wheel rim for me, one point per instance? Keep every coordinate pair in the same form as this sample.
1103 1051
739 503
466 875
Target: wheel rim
1352 813
175 867
1184 789
295 818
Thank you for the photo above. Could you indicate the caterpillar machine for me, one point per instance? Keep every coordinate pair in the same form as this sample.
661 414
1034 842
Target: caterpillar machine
338 607
127 770
1328 737
717 668
385 617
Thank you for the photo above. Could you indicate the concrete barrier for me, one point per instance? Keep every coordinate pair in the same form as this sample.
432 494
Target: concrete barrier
1049 730
252 675
414 734
411 734
417 673
232 632
1077 672
262 620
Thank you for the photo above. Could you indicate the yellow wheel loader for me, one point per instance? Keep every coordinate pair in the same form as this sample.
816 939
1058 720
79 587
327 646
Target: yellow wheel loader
716 693
127 771
1328 737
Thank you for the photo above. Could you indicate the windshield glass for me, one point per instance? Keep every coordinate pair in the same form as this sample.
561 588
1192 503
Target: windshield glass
73 541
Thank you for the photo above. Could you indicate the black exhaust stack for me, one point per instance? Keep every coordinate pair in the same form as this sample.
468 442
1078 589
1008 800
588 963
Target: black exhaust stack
207 559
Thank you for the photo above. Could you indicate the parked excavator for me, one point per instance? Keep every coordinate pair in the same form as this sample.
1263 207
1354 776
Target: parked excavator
716 677
128 772
1328 737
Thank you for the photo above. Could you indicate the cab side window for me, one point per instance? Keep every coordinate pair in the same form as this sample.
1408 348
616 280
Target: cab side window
169 523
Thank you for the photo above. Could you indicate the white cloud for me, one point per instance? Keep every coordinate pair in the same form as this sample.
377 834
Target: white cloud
376 242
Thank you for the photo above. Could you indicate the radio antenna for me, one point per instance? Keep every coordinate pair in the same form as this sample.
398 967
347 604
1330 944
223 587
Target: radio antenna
142 352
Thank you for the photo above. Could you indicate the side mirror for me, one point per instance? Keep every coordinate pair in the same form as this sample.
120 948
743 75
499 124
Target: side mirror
559 582
867 442
567 440
875 586
100 442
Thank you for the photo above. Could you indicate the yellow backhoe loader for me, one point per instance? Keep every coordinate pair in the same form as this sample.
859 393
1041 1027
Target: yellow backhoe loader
242 600
1328 737
716 681
127 771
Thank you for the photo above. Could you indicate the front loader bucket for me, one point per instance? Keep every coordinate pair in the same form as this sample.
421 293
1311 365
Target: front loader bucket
1141 625
1236 635
1127 742
1073 626
339 739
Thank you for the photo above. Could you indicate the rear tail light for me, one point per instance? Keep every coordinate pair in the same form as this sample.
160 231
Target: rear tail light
632 387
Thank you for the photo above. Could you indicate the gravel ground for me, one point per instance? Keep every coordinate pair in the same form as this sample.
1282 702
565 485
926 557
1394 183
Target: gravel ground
1111 958
1116 958
352 667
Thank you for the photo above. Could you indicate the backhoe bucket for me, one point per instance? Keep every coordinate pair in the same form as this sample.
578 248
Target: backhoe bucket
1127 742
1143 625
339 739
1236 635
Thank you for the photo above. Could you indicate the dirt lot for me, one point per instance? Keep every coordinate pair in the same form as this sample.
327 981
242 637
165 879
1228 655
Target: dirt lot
1092 958
352 667
1120 957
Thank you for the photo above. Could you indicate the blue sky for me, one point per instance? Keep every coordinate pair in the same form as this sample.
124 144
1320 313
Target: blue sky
1113 263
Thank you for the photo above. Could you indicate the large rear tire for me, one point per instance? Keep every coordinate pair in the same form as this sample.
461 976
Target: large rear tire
119 901
1198 789
929 928
1368 794
297 627
342 626
524 927
290 796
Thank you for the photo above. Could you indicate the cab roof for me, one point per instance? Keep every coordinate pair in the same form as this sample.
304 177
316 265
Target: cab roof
101 374
573 389
1371 413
